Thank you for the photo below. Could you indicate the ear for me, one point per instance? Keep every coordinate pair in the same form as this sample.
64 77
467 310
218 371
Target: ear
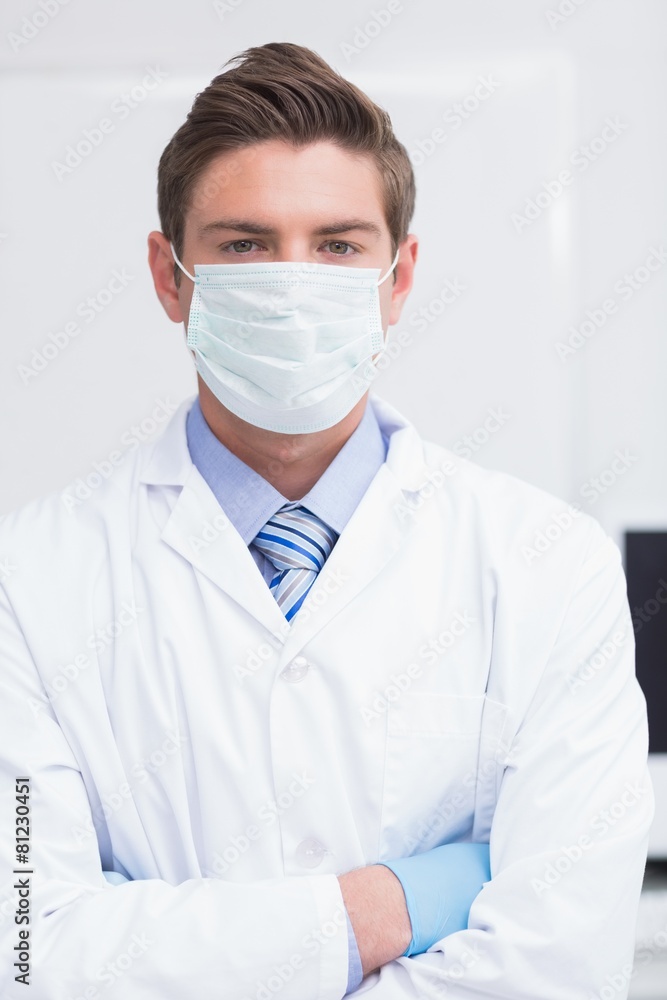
404 272
161 263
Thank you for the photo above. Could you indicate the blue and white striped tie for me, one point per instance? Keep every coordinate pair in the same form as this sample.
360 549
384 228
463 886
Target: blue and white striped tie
297 543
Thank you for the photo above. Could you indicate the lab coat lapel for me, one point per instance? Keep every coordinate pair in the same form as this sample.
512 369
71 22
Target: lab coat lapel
199 530
377 530
202 533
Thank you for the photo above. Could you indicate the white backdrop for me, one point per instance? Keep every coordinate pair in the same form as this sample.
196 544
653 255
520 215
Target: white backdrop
494 102
552 82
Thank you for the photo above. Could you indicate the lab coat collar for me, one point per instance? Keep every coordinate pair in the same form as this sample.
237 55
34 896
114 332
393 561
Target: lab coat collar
405 458
168 462
196 528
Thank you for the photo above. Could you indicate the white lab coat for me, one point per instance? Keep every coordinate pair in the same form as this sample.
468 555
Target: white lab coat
462 670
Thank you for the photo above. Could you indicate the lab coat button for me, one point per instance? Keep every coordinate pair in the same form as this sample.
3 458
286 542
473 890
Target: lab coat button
310 852
296 670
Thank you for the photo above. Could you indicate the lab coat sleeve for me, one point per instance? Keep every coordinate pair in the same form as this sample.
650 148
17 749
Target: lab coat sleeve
150 940
569 835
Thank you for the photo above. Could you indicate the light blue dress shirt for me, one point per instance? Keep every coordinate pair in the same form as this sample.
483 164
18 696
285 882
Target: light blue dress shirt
249 501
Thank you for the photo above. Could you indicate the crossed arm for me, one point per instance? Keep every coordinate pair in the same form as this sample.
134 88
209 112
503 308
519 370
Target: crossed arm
567 847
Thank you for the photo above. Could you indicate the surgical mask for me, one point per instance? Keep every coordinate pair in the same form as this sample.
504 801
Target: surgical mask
286 346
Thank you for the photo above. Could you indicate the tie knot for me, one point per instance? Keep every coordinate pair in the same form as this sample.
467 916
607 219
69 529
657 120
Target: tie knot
295 538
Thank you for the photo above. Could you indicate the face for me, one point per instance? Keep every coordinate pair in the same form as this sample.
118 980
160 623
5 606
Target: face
271 202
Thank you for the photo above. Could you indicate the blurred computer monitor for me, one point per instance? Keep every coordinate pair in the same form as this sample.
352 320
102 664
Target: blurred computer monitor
646 572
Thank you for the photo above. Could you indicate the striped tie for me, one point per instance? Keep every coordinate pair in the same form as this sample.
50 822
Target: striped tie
298 544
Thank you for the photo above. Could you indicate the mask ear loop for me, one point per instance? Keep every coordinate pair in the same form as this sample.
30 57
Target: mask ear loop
391 268
190 276
191 340
374 361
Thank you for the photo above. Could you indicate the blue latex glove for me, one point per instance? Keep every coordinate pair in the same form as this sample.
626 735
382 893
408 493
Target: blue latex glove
439 887
115 877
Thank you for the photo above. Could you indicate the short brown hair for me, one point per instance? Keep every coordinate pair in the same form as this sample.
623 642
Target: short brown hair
282 91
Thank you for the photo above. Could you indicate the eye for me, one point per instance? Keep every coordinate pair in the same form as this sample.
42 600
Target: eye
240 246
335 248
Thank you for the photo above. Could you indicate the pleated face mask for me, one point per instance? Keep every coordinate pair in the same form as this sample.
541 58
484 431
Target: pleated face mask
286 345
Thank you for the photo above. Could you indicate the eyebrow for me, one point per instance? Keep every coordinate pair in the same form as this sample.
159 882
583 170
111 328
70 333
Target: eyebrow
330 229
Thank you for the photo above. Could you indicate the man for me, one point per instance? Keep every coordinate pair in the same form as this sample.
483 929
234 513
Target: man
291 659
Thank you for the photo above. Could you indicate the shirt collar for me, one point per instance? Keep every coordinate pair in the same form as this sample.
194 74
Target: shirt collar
249 500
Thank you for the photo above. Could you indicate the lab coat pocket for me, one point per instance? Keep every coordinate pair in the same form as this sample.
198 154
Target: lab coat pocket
442 758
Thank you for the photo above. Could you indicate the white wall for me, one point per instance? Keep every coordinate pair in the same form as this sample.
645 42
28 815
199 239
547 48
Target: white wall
554 87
